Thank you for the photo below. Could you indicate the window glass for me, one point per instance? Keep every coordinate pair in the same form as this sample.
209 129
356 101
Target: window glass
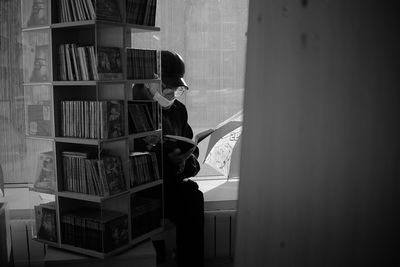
13 147
211 37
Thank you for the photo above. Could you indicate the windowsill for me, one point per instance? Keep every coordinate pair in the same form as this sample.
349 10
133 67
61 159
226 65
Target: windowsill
17 199
219 194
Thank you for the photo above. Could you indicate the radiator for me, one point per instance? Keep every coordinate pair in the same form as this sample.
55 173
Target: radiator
219 233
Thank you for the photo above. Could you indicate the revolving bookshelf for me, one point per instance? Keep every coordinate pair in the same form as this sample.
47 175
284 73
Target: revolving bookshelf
98 177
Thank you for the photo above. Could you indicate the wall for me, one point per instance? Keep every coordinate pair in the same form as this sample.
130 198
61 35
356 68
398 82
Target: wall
321 150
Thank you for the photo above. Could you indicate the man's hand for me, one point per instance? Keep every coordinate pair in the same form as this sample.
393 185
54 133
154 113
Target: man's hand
179 158
152 88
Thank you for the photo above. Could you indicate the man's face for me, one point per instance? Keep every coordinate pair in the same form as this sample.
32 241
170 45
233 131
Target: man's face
171 93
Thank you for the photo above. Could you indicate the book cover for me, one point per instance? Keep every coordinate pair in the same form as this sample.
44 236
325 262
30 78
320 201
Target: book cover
109 63
38 13
203 135
115 119
45 175
139 118
114 174
36 55
172 142
46 223
40 71
116 233
39 116
108 10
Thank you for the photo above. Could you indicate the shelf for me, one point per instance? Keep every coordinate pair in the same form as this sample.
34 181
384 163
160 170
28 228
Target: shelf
89 198
103 37
74 83
134 28
42 190
36 83
144 134
140 81
54 244
85 83
145 186
37 137
94 142
82 23
36 28
94 253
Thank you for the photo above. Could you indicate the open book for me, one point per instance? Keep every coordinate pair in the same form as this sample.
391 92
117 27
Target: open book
172 142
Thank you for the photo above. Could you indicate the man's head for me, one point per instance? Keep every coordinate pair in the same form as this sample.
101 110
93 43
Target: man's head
172 73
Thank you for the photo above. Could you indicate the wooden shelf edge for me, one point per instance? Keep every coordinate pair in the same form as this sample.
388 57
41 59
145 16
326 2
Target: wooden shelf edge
90 198
143 134
85 23
84 141
41 27
54 244
146 185
42 190
79 23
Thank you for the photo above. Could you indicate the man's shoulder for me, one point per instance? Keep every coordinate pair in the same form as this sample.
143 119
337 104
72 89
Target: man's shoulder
178 107
179 104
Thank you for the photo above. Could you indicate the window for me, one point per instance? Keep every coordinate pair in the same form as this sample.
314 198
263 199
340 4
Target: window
211 37
209 34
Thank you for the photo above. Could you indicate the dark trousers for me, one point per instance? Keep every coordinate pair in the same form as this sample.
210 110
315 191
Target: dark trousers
184 204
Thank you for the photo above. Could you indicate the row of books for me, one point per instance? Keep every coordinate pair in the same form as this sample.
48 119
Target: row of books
140 117
146 214
141 12
102 177
92 119
142 63
77 63
98 230
79 10
143 168
75 10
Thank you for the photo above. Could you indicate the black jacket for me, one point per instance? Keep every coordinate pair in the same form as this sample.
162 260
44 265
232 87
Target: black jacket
175 122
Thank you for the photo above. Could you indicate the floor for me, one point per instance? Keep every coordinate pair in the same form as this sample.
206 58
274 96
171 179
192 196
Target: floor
225 262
